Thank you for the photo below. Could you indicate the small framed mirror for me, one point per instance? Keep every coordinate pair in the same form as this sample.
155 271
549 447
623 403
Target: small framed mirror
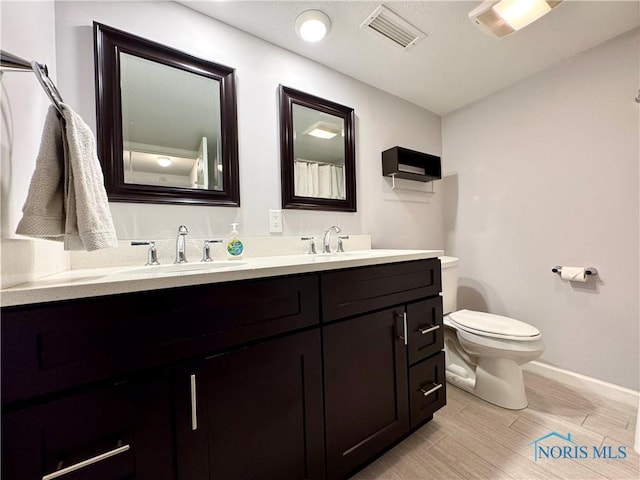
317 150
167 127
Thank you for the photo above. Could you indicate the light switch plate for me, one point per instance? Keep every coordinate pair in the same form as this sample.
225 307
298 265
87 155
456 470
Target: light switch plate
275 221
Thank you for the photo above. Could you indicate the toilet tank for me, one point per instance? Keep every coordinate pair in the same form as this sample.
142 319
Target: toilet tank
449 284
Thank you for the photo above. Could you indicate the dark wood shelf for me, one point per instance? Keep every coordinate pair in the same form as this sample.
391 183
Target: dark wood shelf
411 165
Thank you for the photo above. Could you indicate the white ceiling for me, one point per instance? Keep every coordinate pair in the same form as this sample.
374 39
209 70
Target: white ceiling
454 65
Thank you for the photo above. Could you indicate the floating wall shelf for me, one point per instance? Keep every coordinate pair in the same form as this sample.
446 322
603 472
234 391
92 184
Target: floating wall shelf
399 162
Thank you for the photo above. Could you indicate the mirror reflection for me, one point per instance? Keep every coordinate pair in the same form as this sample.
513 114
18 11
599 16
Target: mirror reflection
167 125
319 154
169 140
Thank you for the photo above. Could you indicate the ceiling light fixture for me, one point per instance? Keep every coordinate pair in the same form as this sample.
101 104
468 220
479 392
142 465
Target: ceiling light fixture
312 25
164 161
503 17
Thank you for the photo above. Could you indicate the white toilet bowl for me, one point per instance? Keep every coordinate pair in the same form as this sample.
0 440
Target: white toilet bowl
488 363
484 352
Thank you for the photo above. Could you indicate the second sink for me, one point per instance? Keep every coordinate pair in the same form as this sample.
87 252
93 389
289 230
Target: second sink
185 267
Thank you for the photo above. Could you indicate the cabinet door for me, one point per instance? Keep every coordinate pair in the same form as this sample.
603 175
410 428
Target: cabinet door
365 379
253 413
93 435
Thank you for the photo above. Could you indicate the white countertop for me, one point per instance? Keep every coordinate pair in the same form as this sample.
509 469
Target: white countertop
84 283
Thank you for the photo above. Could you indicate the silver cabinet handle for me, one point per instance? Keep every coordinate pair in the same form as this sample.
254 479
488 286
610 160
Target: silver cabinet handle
87 462
431 390
194 411
404 327
425 330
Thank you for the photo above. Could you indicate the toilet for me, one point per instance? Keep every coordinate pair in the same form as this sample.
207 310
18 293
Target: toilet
484 352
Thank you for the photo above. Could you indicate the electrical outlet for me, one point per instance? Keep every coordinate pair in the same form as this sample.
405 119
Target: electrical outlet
275 221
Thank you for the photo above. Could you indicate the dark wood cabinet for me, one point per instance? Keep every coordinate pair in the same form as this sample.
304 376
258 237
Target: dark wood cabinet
253 413
115 432
365 383
424 329
427 389
296 377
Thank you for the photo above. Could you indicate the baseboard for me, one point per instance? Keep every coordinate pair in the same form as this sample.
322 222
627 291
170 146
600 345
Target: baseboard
599 387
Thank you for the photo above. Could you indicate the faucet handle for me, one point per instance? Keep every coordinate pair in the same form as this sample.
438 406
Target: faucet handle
182 230
206 250
312 245
340 238
152 253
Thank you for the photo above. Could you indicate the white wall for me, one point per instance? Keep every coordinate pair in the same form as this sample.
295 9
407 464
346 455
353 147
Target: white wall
23 107
544 173
394 219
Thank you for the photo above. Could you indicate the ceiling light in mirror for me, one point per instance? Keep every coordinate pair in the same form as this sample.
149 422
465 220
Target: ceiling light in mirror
312 25
323 130
164 161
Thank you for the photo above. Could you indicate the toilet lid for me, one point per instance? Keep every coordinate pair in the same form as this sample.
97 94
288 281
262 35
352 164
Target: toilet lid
480 322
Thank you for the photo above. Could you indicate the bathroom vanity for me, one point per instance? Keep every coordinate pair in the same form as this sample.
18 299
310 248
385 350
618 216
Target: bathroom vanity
298 372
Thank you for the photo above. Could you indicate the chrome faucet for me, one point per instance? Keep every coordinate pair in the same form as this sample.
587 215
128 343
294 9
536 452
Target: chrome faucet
181 255
206 250
326 242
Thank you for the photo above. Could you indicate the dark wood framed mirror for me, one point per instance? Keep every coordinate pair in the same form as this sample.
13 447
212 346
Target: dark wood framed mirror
167 124
317 153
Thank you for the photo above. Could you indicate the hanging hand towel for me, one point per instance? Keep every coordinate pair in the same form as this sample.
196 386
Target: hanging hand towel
43 212
88 222
77 214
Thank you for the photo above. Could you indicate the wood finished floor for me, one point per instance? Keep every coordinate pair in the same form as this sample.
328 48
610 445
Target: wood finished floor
472 439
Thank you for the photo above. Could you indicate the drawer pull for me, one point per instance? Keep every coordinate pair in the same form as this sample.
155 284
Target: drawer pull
194 412
404 326
431 390
86 463
425 330
403 335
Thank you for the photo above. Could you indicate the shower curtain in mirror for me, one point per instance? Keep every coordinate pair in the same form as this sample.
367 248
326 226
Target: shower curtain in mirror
319 180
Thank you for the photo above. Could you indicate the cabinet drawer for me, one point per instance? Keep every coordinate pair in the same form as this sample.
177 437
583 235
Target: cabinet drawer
424 329
427 388
350 292
50 347
91 435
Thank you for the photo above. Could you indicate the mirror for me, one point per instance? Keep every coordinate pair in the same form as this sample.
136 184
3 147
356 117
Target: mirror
167 128
317 150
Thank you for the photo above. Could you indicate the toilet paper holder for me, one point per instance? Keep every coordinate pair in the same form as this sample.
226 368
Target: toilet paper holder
588 271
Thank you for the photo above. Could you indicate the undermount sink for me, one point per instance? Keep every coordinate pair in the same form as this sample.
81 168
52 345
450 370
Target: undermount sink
356 253
186 267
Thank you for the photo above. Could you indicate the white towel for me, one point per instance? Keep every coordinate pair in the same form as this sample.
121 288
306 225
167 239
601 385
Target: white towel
43 212
67 200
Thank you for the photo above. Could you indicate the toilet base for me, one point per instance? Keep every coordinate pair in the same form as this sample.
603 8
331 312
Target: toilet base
495 379
498 381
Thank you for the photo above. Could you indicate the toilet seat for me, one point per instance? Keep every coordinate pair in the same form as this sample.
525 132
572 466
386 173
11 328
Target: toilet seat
494 326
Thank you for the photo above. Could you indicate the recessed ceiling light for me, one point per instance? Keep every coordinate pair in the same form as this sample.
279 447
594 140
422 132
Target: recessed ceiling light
312 25
164 161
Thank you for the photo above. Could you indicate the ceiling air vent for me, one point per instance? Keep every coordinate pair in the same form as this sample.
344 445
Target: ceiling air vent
387 25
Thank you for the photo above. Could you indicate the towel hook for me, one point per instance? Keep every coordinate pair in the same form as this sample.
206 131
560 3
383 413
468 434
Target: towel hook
50 89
